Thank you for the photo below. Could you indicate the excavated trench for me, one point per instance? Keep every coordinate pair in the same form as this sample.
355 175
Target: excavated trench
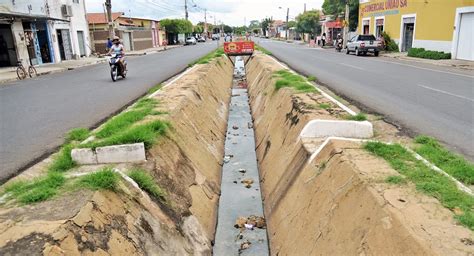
234 154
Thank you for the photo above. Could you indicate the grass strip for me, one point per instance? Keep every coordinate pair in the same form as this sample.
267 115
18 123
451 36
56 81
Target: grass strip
453 164
208 57
324 105
358 117
395 179
36 190
260 48
63 160
105 178
77 134
292 80
146 182
311 78
427 181
427 54
154 89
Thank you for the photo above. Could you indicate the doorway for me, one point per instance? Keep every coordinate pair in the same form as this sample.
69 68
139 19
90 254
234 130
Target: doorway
82 46
64 42
7 46
408 33
126 41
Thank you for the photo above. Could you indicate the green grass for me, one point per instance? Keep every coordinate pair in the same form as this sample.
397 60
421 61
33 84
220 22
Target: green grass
358 117
124 120
208 57
455 165
154 89
146 133
426 180
37 190
260 48
77 134
324 105
426 54
292 80
311 78
62 161
102 179
146 182
395 180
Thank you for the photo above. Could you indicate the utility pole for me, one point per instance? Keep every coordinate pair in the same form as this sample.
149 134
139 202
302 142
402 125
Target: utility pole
205 22
304 8
186 9
346 25
287 27
108 6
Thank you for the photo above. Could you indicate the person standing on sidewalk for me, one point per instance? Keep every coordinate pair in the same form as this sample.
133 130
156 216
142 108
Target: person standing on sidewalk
108 45
323 39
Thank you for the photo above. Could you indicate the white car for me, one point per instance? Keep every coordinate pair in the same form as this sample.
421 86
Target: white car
190 40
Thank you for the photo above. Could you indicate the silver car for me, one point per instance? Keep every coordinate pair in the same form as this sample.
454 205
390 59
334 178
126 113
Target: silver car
362 44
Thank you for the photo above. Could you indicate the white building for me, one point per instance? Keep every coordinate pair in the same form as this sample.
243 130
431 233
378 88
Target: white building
42 31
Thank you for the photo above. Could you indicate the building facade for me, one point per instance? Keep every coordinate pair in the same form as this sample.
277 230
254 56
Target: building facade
440 25
42 31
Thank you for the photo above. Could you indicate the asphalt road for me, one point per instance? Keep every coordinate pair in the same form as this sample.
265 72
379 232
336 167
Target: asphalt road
426 99
35 114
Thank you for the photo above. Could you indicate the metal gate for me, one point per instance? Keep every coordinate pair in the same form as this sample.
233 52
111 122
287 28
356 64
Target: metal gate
126 40
66 43
408 29
466 37
82 47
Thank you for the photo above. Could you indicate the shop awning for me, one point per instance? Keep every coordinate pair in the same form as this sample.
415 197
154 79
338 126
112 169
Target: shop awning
333 24
24 16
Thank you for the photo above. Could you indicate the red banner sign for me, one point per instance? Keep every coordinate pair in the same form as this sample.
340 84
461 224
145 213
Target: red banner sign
239 48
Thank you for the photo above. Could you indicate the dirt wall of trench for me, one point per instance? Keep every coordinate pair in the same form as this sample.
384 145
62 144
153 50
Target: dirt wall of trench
186 164
338 203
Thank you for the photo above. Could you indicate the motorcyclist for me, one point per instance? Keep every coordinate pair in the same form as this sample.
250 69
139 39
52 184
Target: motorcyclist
119 50
339 41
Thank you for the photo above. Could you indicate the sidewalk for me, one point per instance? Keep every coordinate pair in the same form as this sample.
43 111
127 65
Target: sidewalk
8 74
461 64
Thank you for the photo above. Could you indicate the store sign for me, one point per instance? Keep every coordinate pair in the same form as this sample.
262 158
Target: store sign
239 48
384 7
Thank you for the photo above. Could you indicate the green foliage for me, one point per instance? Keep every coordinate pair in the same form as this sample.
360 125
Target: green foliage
455 165
426 54
266 23
426 180
177 26
154 89
308 22
295 81
124 120
208 57
260 48
102 179
311 78
198 29
227 29
338 7
390 44
63 160
77 134
358 117
395 179
324 105
146 182
37 190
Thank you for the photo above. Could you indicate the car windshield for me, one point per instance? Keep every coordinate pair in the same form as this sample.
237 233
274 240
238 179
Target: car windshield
366 38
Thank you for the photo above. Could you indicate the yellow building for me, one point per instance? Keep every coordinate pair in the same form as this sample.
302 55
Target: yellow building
440 25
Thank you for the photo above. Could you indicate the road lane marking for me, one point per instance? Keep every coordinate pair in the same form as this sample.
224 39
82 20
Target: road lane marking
352 66
445 92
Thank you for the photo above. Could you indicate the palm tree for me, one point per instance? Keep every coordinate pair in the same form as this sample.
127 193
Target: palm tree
265 24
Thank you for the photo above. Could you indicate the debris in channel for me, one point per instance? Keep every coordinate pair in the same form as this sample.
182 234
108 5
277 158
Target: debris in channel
250 222
247 182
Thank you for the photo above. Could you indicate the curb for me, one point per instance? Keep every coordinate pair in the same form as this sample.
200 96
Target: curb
125 153
337 128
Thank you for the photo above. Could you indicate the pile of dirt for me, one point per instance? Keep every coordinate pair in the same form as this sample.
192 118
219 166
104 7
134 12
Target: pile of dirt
186 164
337 203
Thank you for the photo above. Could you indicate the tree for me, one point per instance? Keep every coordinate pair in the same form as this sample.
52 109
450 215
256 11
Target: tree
210 26
308 22
291 24
254 24
198 29
177 26
265 24
337 8
240 30
227 29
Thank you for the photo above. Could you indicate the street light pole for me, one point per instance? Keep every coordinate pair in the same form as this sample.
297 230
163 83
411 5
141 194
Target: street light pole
186 9
287 27
108 7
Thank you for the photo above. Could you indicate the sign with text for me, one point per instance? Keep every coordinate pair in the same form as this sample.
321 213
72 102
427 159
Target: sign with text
385 7
239 48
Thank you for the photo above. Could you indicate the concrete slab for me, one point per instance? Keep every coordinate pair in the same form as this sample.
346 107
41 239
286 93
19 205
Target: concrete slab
337 128
121 153
84 156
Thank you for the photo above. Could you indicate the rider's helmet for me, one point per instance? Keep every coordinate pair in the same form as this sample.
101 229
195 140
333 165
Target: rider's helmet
116 39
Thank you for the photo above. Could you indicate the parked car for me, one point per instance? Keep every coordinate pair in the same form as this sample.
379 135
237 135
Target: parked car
201 39
215 37
362 44
190 40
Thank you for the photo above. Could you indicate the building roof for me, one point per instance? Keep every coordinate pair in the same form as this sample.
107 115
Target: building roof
99 18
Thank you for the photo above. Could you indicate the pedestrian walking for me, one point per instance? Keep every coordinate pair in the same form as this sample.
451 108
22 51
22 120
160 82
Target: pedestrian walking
323 39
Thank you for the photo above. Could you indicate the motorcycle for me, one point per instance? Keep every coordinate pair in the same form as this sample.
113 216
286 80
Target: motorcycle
339 45
116 68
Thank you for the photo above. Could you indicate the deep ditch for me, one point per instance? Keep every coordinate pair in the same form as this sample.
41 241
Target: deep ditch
319 197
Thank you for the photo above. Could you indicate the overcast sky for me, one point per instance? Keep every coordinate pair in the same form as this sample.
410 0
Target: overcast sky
232 12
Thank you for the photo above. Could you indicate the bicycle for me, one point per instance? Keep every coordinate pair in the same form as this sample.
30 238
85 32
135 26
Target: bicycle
21 71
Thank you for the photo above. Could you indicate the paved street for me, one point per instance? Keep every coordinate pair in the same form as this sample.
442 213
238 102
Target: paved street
36 113
427 99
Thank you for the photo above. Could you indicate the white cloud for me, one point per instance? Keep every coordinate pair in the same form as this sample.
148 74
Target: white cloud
232 12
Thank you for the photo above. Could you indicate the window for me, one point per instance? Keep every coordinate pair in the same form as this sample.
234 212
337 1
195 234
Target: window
379 26
75 1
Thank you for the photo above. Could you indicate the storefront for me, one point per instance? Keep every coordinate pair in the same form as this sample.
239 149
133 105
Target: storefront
438 25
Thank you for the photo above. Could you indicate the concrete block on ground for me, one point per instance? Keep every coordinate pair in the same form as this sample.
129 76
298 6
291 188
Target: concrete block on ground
337 128
84 156
121 153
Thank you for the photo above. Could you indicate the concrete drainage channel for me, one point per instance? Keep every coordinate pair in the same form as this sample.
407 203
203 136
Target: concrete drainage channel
241 224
